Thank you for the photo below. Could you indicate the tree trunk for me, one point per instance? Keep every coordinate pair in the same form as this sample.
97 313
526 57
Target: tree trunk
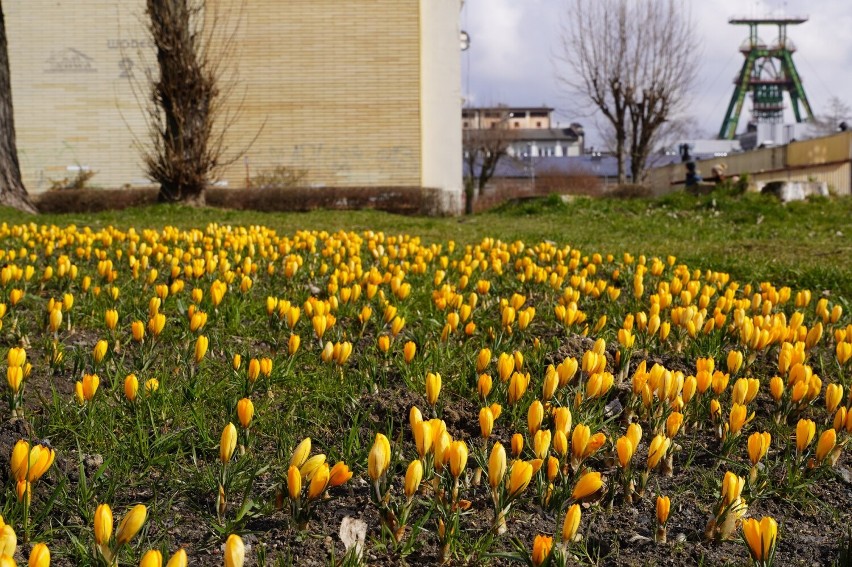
619 157
184 94
637 165
12 190
468 196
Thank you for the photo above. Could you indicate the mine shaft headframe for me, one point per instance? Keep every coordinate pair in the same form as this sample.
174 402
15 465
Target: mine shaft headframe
767 72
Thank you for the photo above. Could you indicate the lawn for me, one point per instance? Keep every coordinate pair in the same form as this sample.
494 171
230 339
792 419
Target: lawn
613 382
753 237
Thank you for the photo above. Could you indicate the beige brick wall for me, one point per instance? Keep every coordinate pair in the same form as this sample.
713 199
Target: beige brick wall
335 88
328 86
73 102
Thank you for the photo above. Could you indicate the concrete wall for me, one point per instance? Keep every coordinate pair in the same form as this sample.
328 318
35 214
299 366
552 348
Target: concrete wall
836 176
826 149
824 159
356 93
441 99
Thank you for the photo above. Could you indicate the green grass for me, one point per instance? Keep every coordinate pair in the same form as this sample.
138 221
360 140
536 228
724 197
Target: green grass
753 237
163 448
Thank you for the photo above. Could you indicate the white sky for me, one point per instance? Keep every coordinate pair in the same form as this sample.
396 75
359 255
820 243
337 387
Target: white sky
513 42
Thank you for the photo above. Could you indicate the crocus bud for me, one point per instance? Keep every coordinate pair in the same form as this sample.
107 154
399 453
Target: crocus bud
663 507
99 351
103 524
413 477
458 457
486 422
433 387
235 551
379 458
137 330
294 483
131 387
484 385
760 537
805 431
624 449
496 466
300 455
339 474
319 482
535 415
153 558
826 444
519 477
227 442
542 546
588 485
245 412
178 559
571 523
408 351
39 556
200 348
658 448
131 524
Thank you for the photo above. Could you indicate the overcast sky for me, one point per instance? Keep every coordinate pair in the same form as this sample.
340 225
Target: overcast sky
513 42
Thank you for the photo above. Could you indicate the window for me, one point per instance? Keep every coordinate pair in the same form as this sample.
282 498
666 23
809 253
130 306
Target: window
538 123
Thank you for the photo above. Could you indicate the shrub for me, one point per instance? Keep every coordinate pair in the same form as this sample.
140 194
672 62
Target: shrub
279 177
76 183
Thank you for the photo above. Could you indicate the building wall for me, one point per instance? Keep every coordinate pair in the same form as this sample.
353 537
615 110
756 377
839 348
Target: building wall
546 148
440 77
837 176
826 149
330 87
819 159
508 116
71 64
350 92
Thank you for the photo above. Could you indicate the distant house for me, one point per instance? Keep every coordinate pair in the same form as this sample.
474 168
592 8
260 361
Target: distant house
532 131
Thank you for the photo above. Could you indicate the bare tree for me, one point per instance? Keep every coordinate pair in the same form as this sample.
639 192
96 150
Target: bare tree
483 149
12 190
633 61
186 141
837 116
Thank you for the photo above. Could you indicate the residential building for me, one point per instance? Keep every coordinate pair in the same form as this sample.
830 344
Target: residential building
362 93
531 130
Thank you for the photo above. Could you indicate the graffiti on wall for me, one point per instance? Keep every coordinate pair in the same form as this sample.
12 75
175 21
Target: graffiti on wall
129 50
70 60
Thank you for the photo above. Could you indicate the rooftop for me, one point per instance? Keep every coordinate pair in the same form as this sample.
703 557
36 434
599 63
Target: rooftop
502 108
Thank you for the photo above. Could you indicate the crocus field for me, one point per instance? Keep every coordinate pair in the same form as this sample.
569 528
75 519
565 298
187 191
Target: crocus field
232 394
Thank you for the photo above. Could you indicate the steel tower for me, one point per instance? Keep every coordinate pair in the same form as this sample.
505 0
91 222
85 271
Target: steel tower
767 72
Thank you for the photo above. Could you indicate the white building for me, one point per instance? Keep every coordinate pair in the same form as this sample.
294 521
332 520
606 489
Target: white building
533 133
